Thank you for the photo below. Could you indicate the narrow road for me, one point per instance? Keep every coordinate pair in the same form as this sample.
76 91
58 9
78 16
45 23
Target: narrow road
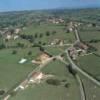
77 35
81 71
40 67
57 45
82 91
83 96
7 95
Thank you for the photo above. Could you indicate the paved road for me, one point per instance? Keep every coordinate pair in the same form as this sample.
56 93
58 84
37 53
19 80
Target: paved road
83 96
77 35
82 91
81 71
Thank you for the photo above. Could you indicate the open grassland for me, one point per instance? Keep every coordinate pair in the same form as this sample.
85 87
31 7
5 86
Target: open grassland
54 50
89 33
42 29
56 68
91 90
46 91
14 43
87 36
90 64
11 72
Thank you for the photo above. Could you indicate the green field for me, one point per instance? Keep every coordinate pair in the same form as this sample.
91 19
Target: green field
42 29
11 72
54 50
38 30
91 90
89 33
45 91
90 64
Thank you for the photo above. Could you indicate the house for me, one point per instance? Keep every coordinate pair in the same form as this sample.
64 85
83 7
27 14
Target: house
16 37
70 26
73 53
81 45
24 84
8 37
36 77
61 20
41 59
23 60
57 41
17 30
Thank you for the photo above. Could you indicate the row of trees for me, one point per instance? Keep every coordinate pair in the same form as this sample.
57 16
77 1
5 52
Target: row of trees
94 41
32 38
37 35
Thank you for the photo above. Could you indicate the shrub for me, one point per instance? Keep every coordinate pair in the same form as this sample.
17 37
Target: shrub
53 82
30 53
14 52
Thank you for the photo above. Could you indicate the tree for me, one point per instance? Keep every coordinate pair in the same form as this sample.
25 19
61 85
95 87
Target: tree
12 31
41 35
20 45
41 49
36 35
71 70
14 52
2 46
53 82
39 42
47 33
2 92
44 43
54 32
30 53
93 24
67 85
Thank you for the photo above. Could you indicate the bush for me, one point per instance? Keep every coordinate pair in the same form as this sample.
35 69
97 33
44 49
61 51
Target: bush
47 33
67 85
14 52
2 46
2 92
30 53
20 45
53 82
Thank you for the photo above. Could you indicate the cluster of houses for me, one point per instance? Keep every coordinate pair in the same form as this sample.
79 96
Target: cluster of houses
79 48
10 33
71 25
35 79
57 42
55 20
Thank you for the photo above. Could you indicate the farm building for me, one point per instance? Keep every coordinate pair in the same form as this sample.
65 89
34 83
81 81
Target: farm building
36 77
41 59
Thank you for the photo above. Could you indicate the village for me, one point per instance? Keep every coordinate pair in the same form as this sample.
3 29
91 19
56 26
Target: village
47 52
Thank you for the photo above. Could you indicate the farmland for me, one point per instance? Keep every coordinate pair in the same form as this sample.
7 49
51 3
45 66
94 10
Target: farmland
41 57
43 91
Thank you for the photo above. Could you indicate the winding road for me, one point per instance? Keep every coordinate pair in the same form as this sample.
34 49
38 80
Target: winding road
75 67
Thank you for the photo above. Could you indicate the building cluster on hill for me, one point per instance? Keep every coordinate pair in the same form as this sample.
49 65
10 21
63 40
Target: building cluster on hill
55 20
71 25
79 48
10 33
57 42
